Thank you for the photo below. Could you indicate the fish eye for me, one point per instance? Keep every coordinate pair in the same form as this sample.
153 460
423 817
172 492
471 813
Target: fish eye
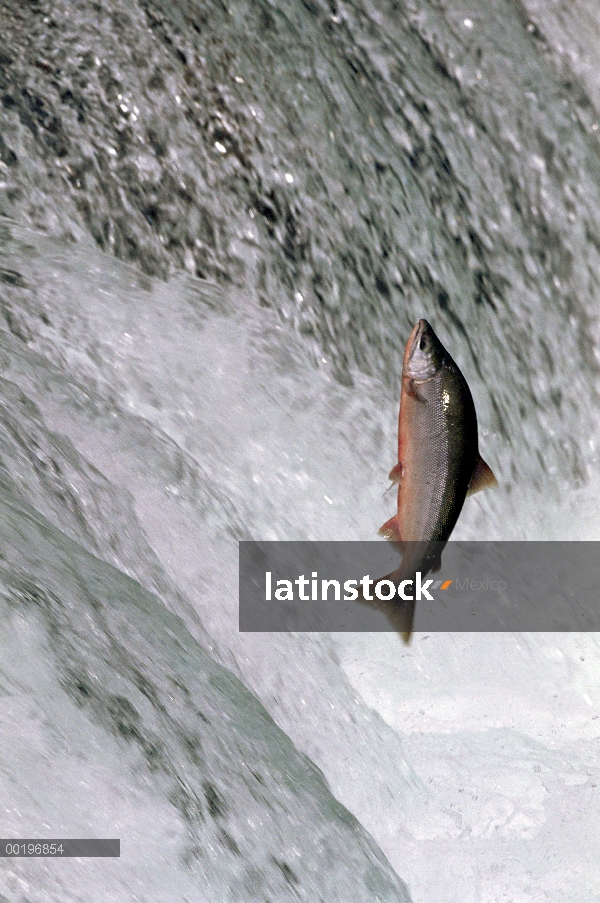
423 343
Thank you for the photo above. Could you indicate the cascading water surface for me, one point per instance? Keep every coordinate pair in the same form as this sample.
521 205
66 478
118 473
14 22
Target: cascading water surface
219 222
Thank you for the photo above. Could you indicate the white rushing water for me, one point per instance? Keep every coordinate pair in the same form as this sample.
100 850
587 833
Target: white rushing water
336 172
479 751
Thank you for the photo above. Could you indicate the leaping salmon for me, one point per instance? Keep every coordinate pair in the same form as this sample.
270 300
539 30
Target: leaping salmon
438 463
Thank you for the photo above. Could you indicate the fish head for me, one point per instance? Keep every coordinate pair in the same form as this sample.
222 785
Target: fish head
424 355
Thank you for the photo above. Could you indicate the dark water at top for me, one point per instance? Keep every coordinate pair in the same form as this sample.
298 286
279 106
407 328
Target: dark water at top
354 166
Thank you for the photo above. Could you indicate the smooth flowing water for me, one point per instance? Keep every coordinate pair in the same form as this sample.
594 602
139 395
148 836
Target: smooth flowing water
219 223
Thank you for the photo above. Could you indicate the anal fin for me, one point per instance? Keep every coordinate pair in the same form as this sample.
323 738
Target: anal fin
391 530
482 477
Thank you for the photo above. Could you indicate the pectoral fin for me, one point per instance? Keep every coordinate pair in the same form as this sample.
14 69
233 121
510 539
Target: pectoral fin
412 391
482 477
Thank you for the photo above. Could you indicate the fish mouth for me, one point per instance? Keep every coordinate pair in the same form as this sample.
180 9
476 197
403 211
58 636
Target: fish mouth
413 341
418 331
419 357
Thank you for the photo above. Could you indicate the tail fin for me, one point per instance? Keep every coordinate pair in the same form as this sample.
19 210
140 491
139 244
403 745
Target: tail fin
399 612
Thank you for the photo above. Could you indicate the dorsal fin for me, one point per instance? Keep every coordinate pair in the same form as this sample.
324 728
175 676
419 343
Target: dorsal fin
482 477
